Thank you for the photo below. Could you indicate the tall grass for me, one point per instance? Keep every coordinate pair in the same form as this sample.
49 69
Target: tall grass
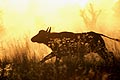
23 64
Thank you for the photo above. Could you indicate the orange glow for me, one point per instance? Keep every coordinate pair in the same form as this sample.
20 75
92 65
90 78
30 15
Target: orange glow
62 15
26 17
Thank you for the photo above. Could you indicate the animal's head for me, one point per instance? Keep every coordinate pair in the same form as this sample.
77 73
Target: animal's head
42 36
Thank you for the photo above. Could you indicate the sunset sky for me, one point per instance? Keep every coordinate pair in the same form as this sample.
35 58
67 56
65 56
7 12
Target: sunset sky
21 16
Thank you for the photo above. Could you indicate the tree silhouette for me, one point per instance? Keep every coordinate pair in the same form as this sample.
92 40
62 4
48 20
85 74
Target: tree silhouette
90 16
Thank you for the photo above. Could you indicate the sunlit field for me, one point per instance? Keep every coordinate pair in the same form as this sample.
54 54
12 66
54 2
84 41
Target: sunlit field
20 20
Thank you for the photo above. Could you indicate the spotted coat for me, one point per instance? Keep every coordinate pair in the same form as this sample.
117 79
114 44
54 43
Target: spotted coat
65 43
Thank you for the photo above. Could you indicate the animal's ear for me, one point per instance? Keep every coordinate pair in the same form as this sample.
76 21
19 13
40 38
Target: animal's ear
49 30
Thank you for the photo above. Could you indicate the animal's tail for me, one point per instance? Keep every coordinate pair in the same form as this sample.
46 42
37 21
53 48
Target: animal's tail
110 37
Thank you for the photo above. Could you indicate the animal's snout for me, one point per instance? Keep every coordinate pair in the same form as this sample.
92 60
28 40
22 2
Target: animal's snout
33 40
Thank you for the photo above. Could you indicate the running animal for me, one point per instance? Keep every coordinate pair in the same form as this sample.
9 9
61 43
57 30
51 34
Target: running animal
65 43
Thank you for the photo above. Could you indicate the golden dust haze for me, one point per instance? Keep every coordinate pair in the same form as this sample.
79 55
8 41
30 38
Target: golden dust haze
22 18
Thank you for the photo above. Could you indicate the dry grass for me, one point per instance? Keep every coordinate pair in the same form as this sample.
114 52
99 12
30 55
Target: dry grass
23 64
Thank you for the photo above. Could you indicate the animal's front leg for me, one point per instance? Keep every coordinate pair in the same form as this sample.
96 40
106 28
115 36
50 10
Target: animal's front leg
52 54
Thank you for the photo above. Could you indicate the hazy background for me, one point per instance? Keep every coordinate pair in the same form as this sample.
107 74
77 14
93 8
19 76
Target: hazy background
24 18
25 15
